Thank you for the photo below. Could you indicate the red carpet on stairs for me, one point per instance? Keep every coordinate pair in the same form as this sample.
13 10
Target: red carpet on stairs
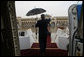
51 50
48 45
52 45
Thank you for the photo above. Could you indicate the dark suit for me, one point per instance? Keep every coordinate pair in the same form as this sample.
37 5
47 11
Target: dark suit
43 31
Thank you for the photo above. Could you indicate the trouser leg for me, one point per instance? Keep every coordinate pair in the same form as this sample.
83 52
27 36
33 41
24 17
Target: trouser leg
42 42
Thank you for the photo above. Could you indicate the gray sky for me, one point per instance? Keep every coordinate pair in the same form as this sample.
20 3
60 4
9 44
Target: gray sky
53 8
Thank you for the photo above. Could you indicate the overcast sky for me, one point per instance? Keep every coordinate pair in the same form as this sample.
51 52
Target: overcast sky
53 8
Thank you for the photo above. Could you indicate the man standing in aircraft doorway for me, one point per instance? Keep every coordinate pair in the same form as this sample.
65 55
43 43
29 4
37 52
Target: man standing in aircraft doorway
43 25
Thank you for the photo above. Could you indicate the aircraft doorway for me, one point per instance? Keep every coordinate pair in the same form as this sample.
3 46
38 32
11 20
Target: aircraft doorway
23 37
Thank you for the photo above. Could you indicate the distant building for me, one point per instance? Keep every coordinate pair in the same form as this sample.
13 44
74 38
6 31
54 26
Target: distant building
56 22
26 23
62 22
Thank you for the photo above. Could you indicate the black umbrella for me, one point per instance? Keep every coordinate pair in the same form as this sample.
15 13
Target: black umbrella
35 11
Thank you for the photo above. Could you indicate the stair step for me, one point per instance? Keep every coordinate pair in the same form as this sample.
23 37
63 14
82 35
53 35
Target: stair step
49 52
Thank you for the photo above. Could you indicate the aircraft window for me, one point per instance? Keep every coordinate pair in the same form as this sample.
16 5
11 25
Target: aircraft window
21 33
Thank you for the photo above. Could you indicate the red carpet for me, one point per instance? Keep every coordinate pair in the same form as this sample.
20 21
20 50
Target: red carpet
51 45
51 50
48 45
